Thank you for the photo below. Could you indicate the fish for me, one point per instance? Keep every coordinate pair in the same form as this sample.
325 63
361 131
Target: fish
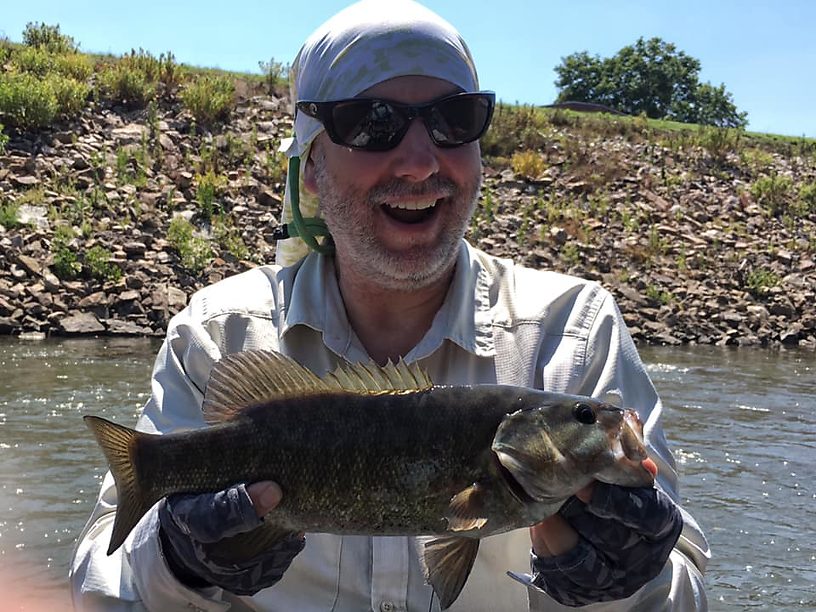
378 450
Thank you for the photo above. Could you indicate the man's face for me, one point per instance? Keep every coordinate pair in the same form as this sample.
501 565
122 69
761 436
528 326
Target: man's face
397 216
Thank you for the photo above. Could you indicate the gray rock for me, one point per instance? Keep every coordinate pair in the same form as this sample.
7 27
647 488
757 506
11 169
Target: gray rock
81 323
30 265
126 328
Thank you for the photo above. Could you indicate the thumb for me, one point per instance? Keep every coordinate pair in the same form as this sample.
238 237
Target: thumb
265 495
552 537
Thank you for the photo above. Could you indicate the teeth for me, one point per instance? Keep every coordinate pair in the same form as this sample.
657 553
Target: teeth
412 205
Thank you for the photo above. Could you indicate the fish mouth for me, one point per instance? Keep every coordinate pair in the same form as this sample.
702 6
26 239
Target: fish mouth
629 452
631 437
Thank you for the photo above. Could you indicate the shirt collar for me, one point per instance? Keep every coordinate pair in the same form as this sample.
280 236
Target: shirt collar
312 298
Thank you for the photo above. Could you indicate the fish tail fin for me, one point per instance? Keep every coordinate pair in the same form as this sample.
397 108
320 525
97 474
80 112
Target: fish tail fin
119 443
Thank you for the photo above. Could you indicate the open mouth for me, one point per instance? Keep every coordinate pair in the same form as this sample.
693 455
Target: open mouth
410 212
631 437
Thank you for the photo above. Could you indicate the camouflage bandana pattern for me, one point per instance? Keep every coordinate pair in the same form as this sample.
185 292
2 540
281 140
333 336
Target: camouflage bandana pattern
367 43
189 522
625 537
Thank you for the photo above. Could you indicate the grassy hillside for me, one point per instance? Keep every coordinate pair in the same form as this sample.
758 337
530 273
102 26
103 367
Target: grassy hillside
126 183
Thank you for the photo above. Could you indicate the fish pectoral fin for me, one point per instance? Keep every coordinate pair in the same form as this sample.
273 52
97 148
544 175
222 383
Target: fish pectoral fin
247 545
447 563
467 509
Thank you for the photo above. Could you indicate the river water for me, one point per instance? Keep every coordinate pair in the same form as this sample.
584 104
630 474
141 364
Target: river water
742 424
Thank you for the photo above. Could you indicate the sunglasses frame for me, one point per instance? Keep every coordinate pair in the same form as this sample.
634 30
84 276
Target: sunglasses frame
322 111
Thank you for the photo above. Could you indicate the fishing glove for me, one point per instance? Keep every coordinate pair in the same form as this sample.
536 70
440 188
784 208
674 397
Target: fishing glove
188 523
625 536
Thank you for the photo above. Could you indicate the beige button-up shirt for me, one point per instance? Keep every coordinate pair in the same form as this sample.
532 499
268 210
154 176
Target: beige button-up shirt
500 323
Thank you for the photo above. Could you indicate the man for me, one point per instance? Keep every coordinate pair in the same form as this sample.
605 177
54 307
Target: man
386 141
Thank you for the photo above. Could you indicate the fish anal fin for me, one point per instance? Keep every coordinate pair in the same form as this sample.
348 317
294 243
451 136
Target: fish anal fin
447 563
118 444
247 378
467 509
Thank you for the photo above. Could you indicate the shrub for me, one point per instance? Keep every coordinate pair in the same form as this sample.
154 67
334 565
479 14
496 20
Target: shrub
27 102
3 140
169 72
66 73
719 141
276 74
807 197
657 295
209 98
74 65
276 165
757 160
195 252
66 265
528 163
48 38
514 128
34 60
9 215
97 259
208 187
71 95
760 280
125 84
7 49
772 193
228 237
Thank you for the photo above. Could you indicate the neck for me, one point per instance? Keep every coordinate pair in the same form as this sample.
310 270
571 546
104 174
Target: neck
390 322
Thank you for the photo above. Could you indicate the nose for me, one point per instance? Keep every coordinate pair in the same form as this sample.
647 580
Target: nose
416 157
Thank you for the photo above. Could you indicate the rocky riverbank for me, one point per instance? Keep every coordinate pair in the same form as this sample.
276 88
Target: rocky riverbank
108 224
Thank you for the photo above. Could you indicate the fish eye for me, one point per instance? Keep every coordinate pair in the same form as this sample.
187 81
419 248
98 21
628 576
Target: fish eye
584 413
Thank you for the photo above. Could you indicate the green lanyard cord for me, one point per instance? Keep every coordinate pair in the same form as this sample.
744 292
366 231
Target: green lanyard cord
310 228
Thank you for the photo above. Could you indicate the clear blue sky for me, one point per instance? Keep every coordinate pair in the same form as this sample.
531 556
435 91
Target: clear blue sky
764 52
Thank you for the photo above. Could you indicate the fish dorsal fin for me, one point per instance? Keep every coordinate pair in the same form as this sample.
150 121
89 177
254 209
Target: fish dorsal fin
372 378
242 379
251 377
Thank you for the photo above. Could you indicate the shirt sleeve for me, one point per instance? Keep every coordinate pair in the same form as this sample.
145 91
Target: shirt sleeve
135 577
614 372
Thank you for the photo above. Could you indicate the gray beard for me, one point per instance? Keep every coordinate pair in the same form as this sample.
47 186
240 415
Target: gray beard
348 214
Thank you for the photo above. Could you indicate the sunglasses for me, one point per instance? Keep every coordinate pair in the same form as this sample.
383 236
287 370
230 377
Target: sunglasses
373 124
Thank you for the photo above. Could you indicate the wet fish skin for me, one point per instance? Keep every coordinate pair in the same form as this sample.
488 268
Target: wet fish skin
405 458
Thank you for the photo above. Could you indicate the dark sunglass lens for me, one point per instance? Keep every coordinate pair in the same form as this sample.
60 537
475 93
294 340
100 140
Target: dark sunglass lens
459 119
369 124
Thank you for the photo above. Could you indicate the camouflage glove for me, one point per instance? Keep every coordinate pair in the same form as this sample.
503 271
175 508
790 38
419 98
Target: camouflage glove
188 523
625 536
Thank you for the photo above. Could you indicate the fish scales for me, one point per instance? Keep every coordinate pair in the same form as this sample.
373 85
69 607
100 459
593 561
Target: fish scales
386 464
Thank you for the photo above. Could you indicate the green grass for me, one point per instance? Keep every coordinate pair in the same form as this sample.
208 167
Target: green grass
98 261
195 252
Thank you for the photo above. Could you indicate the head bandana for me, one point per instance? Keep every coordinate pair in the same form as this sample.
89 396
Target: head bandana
367 43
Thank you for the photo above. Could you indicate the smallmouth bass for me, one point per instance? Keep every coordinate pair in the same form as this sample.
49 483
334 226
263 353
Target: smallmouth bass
372 450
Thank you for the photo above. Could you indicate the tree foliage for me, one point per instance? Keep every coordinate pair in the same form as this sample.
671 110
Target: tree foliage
651 77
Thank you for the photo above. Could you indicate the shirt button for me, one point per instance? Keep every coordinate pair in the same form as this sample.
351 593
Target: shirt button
387 606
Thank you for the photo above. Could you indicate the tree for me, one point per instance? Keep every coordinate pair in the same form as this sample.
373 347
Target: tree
651 77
